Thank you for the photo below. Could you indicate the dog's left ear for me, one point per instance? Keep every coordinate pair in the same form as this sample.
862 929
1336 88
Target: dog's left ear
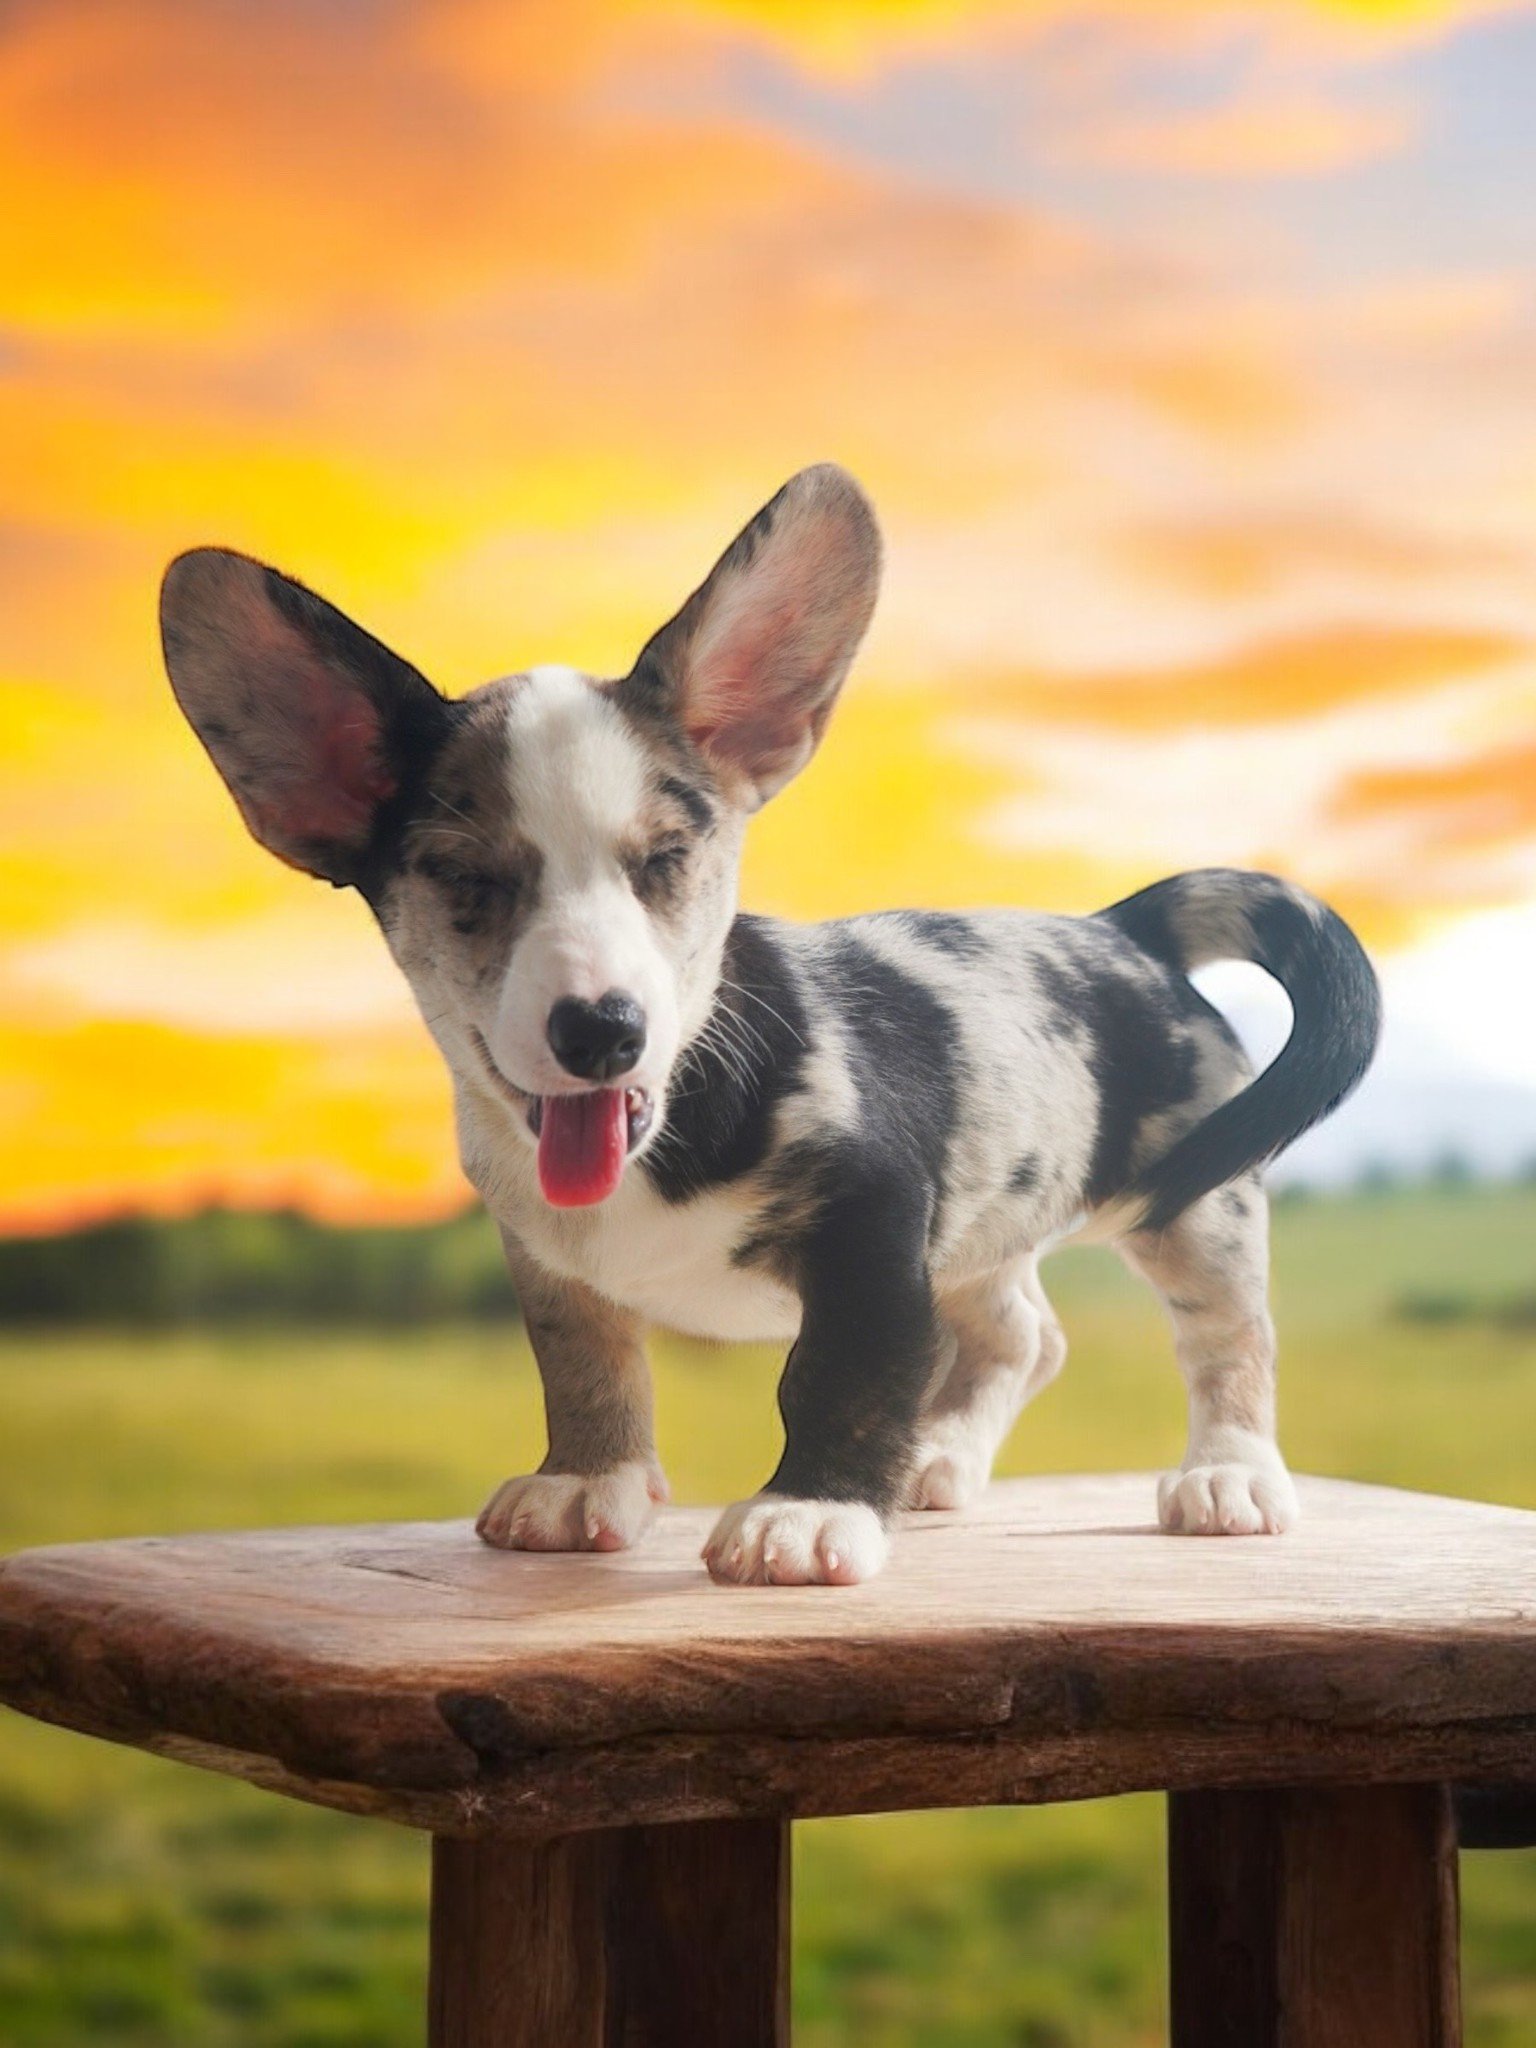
313 724
752 664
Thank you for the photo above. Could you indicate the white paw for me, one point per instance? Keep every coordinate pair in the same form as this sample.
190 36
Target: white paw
773 1541
1227 1500
561 1511
947 1476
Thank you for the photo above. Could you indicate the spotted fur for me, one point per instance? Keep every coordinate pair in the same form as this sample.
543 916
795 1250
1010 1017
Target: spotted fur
861 1135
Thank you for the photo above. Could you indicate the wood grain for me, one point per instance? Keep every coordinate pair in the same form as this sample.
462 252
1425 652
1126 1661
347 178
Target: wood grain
1316 1918
1050 1644
622 1938
516 1944
698 1935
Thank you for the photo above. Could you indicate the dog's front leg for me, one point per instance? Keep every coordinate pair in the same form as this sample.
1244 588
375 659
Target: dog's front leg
850 1397
598 1486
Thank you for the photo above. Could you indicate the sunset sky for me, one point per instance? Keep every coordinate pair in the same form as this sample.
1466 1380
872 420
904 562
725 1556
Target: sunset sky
1187 351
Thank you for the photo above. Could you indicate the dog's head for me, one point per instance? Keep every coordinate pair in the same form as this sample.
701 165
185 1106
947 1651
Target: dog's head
552 858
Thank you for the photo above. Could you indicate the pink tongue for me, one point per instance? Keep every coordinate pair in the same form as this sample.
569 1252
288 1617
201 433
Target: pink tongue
582 1143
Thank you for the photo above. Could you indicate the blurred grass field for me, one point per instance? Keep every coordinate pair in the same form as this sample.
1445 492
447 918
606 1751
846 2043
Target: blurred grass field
145 1903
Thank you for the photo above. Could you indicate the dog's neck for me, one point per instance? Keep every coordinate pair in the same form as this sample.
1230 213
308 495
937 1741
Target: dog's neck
731 1072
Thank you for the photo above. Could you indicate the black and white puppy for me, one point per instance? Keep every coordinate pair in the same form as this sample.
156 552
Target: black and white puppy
857 1136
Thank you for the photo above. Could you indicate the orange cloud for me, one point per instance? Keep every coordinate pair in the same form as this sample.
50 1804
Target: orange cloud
1478 802
1247 554
1292 677
1251 137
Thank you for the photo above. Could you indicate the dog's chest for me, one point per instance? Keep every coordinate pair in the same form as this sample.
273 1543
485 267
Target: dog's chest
670 1263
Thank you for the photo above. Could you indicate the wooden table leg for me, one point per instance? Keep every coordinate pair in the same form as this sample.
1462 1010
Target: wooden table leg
1323 1918
644 1937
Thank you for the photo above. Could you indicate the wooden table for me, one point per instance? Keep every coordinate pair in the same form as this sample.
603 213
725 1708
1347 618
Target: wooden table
609 1750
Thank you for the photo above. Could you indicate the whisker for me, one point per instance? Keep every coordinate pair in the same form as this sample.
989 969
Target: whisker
730 1034
452 832
475 831
753 997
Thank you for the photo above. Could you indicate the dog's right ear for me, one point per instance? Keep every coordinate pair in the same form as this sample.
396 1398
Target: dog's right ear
311 721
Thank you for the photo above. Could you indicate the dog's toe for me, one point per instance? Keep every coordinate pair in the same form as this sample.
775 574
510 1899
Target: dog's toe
568 1511
1227 1500
772 1541
946 1479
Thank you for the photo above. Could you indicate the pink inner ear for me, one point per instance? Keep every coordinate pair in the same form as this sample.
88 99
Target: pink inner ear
744 711
327 776
351 767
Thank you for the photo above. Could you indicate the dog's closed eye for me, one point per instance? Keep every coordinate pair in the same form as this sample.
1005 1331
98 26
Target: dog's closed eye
461 879
473 892
654 873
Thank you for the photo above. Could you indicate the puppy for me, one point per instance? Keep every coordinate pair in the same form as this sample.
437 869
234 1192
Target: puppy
859 1136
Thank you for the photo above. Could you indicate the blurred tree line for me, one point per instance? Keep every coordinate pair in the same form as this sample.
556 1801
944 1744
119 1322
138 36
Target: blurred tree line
226 1266
229 1265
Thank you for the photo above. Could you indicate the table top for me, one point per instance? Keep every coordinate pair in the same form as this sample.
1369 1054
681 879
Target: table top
1049 1643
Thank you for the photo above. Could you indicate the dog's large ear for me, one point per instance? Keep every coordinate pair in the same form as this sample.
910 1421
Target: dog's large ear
752 664
311 721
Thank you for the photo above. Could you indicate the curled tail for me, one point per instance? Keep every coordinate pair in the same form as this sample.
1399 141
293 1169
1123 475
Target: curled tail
1229 914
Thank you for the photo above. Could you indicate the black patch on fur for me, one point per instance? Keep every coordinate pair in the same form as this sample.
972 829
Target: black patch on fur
853 1385
747 1059
1137 1017
701 812
846 1219
905 1053
1060 986
1144 1061
945 930
1025 1177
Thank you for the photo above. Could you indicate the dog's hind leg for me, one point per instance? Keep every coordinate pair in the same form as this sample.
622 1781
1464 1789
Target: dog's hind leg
1002 1344
1211 1267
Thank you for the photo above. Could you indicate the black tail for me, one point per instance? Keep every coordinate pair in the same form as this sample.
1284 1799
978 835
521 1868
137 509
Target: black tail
1228 914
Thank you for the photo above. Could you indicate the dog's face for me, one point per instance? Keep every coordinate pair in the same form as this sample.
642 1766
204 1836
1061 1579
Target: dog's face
553 859
559 906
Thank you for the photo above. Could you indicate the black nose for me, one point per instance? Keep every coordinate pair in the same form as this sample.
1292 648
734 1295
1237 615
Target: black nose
597 1041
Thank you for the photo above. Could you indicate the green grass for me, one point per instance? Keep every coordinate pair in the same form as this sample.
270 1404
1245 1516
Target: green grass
144 1903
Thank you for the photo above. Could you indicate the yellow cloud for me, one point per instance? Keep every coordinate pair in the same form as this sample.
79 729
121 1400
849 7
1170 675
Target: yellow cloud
846 40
